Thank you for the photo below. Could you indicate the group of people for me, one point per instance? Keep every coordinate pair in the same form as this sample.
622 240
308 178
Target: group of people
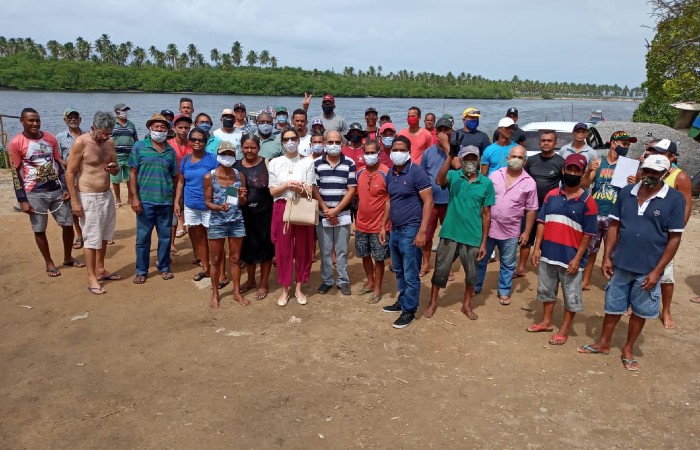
389 188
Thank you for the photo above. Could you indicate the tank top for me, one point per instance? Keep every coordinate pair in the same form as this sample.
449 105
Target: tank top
234 213
670 180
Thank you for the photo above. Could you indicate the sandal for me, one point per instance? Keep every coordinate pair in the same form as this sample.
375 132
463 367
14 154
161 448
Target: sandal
180 233
259 295
53 272
96 290
375 299
139 279
223 284
504 300
537 328
73 263
167 275
558 339
78 243
175 252
365 290
200 276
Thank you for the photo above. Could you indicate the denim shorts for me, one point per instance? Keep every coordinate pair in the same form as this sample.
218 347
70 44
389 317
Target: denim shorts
235 229
367 244
550 276
625 290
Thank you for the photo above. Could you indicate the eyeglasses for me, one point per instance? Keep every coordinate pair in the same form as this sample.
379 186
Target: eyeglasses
334 142
289 139
196 139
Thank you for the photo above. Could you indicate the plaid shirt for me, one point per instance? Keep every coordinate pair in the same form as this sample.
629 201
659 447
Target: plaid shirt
65 142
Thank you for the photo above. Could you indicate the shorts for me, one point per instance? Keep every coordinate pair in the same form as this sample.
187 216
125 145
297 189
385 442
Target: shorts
367 244
100 218
45 203
599 236
194 217
438 214
625 290
124 169
667 277
235 229
548 278
447 253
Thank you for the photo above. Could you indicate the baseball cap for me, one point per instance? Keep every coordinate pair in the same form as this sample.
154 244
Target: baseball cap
328 98
623 136
157 118
666 146
279 109
576 159
227 112
318 121
121 107
385 118
580 126
167 112
468 150
443 122
387 126
354 127
239 105
70 110
658 163
513 111
225 146
370 110
182 117
472 112
505 122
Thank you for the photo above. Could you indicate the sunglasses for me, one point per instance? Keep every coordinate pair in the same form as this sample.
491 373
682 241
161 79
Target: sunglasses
334 142
287 139
196 139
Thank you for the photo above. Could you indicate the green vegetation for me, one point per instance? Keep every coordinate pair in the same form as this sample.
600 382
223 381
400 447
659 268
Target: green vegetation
672 61
104 66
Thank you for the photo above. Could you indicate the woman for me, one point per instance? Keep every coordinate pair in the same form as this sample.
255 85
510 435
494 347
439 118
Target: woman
290 176
257 216
193 167
203 121
224 194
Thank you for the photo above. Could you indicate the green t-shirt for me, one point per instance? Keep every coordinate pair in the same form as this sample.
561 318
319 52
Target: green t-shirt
155 172
604 193
463 219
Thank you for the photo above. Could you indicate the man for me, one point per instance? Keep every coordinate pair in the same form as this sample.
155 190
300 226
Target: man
124 136
462 235
181 144
566 222
355 148
331 121
372 205
516 196
281 119
152 185
470 135
40 186
300 120
495 155
384 118
186 106
387 133
317 126
411 200
92 159
518 135
227 131
371 129
680 181
604 194
432 161
334 189
170 117
644 235
65 141
579 145
270 146
429 124
547 169
420 138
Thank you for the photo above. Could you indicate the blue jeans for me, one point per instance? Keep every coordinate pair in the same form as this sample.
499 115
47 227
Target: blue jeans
159 217
507 250
406 259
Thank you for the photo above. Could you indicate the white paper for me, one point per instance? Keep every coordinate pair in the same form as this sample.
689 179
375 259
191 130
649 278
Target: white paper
625 167
231 200
343 219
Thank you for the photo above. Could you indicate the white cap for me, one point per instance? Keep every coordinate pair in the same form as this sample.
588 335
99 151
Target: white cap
505 122
658 163
227 112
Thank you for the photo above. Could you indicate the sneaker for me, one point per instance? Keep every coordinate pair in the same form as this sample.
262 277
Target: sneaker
345 289
396 307
324 288
404 320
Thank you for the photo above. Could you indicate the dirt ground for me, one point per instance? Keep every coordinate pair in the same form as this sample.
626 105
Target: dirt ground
153 366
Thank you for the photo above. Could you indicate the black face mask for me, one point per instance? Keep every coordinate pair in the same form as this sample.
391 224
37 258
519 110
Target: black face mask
227 123
571 180
622 151
355 138
328 109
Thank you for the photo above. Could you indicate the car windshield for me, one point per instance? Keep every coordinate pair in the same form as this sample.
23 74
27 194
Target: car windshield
532 144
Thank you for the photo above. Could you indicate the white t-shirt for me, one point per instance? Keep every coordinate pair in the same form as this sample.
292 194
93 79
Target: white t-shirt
233 137
283 169
305 145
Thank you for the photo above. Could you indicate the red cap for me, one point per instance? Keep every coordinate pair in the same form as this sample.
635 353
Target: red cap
576 159
387 126
328 98
180 117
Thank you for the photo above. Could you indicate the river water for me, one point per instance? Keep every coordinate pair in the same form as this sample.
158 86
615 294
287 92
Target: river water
52 104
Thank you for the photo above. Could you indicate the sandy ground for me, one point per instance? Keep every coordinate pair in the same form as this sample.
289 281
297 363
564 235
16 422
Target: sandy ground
153 367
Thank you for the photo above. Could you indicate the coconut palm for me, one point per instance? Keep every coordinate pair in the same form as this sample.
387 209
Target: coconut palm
215 56
236 53
251 58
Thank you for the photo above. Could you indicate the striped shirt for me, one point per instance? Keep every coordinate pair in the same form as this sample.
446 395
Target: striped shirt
65 142
565 223
333 181
155 172
124 137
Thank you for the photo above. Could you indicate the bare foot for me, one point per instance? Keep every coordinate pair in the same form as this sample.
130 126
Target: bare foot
214 303
586 287
518 274
668 321
429 311
247 287
423 271
241 300
467 311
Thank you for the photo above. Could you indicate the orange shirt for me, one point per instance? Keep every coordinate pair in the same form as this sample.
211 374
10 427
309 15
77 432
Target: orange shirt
180 151
419 143
372 194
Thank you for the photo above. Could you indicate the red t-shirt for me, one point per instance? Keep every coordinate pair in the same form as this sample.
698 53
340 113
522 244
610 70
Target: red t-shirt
357 155
180 151
419 143
372 193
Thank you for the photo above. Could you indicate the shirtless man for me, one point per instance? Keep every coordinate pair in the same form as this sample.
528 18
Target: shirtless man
92 159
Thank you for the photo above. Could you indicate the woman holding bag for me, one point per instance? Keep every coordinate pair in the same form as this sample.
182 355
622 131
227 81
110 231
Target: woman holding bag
291 176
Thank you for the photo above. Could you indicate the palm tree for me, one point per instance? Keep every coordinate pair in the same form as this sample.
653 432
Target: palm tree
215 56
264 58
102 46
139 57
171 54
273 62
83 47
41 50
192 53
236 53
3 46
251 58
226 61
54 48
69 52
181 62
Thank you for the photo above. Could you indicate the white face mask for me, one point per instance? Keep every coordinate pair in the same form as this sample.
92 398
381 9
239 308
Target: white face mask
371 160
158 136
122 114
399 158
318 149
290 146
226 160
333 149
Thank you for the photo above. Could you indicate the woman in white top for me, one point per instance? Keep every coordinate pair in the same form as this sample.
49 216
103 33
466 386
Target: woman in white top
291 175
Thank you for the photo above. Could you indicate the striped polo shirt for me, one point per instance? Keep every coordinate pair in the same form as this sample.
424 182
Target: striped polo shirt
565 223
333 181
124 137
155 172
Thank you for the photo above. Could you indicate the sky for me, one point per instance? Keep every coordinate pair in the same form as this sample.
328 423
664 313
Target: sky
583 41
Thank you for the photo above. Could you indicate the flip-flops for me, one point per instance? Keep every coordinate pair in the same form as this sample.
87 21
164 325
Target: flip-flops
589 349
505 301
53 272
110 277
180 233
73 263
96 290
537 328
259 295
375 299
167 275
630 364
139 279
78 243
558 339
200 276
364 291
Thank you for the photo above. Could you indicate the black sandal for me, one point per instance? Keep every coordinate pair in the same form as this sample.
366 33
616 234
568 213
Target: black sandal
200 276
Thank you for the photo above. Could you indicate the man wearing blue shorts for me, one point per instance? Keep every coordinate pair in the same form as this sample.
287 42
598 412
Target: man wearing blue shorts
645 232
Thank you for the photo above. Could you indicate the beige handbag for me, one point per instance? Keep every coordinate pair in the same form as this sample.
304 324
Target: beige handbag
300 211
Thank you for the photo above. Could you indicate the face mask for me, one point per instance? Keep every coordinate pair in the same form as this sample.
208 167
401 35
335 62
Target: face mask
290 146
371 160
571 180
227 123
355 138
205 126
650 182
413 121
226 160
469 168
387 141
472 124
333 149
399 158
281 118
122 115
318 148
622 151
158 136
515 163
265 128
327 110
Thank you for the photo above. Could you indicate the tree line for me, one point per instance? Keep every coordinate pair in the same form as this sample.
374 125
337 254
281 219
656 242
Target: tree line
104 65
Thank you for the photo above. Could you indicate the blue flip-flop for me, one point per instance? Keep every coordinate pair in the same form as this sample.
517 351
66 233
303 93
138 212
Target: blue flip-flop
588 349
630 364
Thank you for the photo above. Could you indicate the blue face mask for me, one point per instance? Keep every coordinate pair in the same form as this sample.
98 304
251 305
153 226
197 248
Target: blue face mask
265 128
472 124
387 141
205 126
281 118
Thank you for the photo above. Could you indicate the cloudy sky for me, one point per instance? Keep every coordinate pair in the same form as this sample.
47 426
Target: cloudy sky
587 41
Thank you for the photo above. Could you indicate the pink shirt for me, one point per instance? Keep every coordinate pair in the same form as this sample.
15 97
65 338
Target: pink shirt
419 143
511 203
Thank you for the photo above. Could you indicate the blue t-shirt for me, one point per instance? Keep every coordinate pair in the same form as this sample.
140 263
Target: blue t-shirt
404 192
495 156
643 234
432 161
194 179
